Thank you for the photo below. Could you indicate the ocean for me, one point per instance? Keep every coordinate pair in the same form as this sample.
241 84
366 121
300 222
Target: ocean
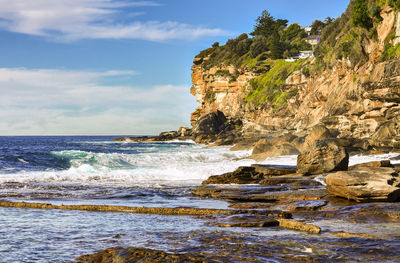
97 170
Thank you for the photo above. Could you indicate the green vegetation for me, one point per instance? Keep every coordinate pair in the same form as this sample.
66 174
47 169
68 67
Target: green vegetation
226 74
270 39
210 96
345 38
268 87
390 52
360 15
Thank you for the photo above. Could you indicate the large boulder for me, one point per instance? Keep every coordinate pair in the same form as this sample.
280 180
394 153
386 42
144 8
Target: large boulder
273 147
210 124
318 133
388 134
365 184
325 156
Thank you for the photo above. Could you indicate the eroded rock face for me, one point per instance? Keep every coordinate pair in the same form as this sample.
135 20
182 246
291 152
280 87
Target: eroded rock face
365 184
318 133
274 147
210 124
358 102
325 156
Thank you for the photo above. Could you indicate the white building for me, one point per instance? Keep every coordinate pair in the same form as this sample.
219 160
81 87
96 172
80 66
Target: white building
306 54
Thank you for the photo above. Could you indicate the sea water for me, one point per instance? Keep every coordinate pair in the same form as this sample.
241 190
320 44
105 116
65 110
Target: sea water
97 170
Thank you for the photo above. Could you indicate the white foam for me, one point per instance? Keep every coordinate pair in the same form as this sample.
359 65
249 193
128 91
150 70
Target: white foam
357 159
178 165
187 164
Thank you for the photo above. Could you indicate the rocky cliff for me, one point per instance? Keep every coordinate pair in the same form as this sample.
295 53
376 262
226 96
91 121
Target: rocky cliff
357 99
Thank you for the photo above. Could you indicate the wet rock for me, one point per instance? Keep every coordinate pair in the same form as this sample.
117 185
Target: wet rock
377 164
122 209
300 226
167 136
242 175
125 255
365 184
273 170
352 235
325 156
308 205
263 212
259 194
132 139
246 221
184 131
210 124
250 175
292 181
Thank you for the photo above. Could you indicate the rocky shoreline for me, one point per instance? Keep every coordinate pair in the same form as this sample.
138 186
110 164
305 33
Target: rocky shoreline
324 111
313 197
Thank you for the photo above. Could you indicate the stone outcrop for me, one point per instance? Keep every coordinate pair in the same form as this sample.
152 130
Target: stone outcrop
257 173
325 156
274 147
365 184
183 133
242 175
210 124
357 102
318 133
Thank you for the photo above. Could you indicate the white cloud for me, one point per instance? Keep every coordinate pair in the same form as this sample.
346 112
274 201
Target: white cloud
50 101
69 20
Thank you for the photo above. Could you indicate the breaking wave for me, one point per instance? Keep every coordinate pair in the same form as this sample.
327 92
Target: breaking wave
178 165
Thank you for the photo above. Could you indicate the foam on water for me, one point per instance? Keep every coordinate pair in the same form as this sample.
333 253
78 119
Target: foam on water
177 165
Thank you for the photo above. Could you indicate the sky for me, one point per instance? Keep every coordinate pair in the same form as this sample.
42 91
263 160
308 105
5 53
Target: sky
117 67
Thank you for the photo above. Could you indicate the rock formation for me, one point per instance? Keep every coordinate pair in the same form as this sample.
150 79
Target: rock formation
359 101
365 184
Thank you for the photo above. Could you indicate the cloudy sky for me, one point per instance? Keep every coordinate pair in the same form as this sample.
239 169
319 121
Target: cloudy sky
117 67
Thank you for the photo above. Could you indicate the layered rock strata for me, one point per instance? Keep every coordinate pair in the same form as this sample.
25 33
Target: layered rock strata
354 101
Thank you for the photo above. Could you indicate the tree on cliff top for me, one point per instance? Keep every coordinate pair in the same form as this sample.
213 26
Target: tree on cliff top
360 14
266 25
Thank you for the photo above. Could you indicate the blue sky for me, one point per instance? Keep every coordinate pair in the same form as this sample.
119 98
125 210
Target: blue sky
87 67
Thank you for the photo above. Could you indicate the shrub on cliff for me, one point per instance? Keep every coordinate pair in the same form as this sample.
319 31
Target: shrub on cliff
360 15
268 87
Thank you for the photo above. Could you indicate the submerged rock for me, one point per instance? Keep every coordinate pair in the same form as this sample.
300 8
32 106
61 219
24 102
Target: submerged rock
325 156
365 184
131 254
300 226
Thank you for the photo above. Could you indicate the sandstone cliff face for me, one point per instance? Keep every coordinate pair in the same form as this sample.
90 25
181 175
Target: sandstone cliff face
361 101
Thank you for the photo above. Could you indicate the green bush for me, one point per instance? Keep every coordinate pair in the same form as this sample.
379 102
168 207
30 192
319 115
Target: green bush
258 46
210 96
267 87
360 16
390 52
